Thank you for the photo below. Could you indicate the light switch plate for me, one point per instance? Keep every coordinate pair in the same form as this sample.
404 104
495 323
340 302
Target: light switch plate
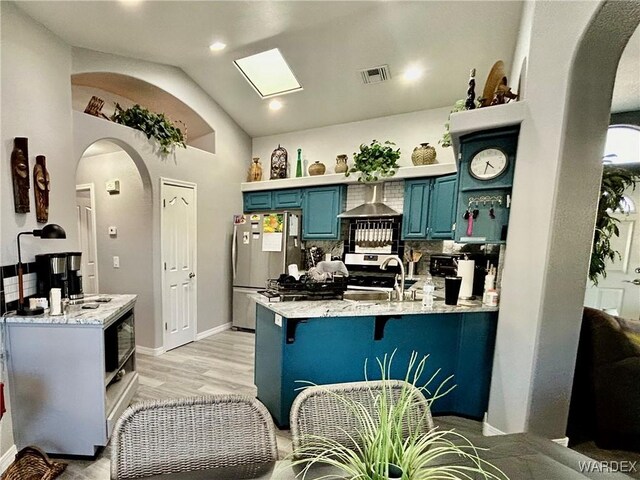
116 262
278 320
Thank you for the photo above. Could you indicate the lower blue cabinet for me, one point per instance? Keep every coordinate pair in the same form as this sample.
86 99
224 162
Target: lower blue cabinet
293 352
320 209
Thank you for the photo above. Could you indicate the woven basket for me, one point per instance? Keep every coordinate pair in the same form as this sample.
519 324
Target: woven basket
31 463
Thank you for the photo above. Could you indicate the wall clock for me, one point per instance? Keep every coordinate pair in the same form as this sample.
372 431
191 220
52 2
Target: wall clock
488 164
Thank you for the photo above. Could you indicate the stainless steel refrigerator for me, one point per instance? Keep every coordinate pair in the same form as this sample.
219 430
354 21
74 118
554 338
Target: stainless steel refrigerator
264 245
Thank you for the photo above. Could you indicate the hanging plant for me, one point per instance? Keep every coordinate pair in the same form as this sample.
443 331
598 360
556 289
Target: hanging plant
375 161
615 181
152 124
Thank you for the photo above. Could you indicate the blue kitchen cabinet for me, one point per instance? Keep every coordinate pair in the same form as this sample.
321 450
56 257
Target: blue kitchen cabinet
289 198
430 208
254 201
416 206
442 208
320 209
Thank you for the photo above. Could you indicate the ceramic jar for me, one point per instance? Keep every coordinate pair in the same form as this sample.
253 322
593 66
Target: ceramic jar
255 171
341 164
317 168
425 154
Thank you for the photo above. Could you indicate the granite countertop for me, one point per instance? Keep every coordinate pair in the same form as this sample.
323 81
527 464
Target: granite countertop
359 308
76 315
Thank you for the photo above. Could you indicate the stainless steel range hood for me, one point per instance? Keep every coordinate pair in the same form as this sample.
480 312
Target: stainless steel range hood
373 206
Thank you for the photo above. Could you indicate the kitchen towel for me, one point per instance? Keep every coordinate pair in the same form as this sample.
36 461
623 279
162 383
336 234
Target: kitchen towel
466 269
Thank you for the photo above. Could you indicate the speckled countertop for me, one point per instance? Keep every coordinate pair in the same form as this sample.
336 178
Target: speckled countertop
76 315
354 308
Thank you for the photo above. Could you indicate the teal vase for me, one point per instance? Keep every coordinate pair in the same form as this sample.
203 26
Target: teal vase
299 164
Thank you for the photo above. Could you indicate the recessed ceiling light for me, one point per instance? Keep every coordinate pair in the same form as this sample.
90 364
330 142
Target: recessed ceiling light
275 104
268 73
131 3
412 73
217 46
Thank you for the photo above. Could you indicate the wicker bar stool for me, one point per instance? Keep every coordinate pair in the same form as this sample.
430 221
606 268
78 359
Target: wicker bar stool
319 411
179 435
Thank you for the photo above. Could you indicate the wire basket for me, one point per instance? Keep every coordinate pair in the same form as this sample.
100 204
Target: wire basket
31 463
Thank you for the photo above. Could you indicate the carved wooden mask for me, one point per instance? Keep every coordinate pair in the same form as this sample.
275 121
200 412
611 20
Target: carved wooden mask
20 174
41 189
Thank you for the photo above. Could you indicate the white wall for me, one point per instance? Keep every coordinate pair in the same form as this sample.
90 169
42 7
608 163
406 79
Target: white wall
552 218
36 103
131 212
407 131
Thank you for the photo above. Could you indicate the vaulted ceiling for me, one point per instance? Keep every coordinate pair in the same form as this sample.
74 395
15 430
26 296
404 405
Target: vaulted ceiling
326 43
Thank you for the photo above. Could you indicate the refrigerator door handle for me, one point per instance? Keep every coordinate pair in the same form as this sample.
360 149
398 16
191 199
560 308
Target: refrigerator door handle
234 252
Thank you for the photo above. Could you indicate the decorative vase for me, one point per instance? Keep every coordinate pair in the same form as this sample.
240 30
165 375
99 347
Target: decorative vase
255 171
317 168
341 164
279 163
425 154
299 164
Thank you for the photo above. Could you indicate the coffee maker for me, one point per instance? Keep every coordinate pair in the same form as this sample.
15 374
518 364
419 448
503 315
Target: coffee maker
51 269
74 276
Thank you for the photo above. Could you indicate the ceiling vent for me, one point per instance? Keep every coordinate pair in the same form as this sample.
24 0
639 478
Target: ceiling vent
375 74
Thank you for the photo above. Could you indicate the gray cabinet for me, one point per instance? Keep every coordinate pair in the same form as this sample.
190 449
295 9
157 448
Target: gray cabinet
62 398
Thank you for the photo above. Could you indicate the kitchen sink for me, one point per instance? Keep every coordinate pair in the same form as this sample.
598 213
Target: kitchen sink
366 295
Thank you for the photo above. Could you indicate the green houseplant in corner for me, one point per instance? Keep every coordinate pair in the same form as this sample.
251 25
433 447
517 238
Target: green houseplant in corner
375 161
152 124
392 441
615 181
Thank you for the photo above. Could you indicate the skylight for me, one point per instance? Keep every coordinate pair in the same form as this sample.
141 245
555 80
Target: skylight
268 73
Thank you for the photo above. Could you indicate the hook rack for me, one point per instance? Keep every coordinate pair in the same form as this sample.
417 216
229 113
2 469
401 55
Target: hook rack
484 199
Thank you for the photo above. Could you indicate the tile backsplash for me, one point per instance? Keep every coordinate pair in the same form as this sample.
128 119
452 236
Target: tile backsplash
9 285
393 195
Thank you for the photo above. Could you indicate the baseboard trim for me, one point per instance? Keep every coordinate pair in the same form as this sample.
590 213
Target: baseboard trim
7 458
213 331
564 441
153 352
489 430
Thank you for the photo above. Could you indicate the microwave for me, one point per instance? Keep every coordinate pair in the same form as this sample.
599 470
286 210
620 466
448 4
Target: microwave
119 342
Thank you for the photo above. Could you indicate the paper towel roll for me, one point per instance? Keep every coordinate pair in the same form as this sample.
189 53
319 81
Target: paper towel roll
55 301
466 269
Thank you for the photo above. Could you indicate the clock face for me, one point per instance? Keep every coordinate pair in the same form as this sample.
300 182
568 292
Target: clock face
488 164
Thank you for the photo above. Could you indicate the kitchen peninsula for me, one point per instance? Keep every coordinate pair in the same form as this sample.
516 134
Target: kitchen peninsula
73 373
328 342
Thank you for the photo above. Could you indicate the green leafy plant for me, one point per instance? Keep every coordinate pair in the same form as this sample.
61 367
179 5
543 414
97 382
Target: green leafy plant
445 141
615 181
390 440
375 161
155 125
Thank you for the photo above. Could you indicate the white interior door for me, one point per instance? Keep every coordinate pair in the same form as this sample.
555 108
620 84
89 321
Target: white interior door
617 293
179 262
88 241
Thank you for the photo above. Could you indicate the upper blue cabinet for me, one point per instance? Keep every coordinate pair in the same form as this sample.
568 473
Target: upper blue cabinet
273 200
429 208
320 209
290 198
257 201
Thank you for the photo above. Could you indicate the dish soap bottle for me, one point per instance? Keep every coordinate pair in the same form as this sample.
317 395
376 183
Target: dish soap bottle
427 292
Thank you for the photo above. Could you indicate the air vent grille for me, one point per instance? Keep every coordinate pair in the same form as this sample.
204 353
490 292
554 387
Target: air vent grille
375 74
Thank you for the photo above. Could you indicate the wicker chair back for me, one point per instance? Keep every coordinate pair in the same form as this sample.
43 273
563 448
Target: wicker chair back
319 410
179 435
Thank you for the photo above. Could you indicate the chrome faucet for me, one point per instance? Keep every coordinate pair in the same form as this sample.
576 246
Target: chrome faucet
383 266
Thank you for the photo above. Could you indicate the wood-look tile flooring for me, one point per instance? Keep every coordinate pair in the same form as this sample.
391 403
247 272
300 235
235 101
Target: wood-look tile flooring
222 363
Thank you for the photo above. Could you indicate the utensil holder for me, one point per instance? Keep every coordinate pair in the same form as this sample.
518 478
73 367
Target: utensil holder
411 270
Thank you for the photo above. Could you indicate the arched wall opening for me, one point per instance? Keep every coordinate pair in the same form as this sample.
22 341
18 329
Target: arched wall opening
115 226
556 189
126 90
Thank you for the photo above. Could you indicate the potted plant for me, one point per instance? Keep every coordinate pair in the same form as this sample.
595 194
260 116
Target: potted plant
375 161
615 181
155 125
393 444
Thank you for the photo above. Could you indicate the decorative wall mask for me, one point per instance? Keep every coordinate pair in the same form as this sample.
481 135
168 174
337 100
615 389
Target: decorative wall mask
41 189
20 174
279 163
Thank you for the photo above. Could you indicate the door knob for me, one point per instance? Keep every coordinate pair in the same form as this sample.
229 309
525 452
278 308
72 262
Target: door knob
638 270
635 281
191 275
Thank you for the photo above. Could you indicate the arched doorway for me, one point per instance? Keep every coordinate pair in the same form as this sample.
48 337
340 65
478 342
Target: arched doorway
114 204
